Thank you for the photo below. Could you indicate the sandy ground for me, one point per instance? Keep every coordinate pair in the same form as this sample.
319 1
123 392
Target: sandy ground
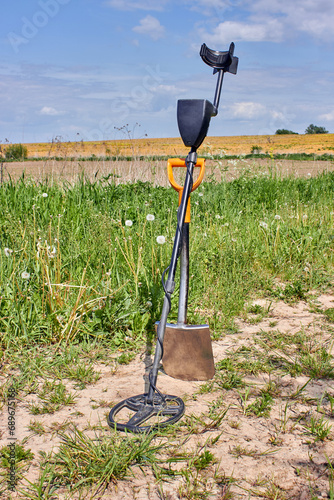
270 457
155 171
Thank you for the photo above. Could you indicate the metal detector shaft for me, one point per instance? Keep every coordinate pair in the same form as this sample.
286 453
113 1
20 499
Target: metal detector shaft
191 161
184 276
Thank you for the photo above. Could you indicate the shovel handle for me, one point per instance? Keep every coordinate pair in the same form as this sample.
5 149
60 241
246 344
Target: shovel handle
176 162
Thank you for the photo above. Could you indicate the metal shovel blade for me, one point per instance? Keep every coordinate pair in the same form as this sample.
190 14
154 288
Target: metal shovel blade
187 352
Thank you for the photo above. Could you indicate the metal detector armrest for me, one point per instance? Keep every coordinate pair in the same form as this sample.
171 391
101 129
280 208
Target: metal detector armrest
220 60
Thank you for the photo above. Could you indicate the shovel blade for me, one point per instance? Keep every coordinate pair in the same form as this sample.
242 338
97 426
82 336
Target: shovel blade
187 352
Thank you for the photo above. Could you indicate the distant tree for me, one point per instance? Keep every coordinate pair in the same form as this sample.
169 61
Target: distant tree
16 152
283 131
314 129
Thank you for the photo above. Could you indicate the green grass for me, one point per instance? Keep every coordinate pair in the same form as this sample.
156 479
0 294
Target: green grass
70 269
93 462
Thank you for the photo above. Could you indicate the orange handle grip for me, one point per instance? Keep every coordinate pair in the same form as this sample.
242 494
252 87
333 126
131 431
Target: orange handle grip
176 162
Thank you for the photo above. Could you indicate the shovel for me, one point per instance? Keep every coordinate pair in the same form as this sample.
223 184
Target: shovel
187 353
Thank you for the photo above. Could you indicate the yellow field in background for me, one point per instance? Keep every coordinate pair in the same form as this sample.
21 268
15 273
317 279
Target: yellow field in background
234 145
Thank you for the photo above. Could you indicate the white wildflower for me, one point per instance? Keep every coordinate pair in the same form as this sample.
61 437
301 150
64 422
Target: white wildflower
150 217
263 224
53 252
305 216
277 217
128 223
217 216
25 275
7 251
200 194
149 303
45 195
161 240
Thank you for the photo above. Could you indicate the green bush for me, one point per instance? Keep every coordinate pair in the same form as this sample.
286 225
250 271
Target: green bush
284 131
16 152
314 129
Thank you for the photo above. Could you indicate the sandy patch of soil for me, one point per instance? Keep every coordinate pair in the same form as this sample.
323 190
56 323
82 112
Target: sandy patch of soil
270 456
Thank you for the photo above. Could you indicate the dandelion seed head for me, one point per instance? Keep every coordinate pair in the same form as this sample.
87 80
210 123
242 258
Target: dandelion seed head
128 223
25 275
161 240
44 195
8 251
263 224
277 217
150 217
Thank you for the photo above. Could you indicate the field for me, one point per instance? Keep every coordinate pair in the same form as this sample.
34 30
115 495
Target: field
80 291
234 145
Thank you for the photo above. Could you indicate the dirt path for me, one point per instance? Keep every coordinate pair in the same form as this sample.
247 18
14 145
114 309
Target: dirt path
156 171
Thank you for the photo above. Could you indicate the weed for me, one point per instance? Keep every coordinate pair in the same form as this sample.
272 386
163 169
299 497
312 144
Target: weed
23 459
54 396
16 152
36 427
330 398
42 489
82 373
82 461
241 451
329 313
204 460
261 406
318 427
125 358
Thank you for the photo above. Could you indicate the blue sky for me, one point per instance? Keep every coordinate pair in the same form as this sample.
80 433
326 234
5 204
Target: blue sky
81 69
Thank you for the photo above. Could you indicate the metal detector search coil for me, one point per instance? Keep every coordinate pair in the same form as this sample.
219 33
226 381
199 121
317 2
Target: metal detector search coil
153 409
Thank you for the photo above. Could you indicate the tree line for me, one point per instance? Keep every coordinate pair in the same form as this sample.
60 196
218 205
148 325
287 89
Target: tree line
311 129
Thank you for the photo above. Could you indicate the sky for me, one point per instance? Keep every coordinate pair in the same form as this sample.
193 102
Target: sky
106 69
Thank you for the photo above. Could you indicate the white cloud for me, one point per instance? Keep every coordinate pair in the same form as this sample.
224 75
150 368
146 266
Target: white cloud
150 26
270 20
329 117
272 31
49 111
248 110
315 17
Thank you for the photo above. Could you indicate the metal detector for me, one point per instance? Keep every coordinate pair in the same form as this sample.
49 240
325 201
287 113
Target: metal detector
154 410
